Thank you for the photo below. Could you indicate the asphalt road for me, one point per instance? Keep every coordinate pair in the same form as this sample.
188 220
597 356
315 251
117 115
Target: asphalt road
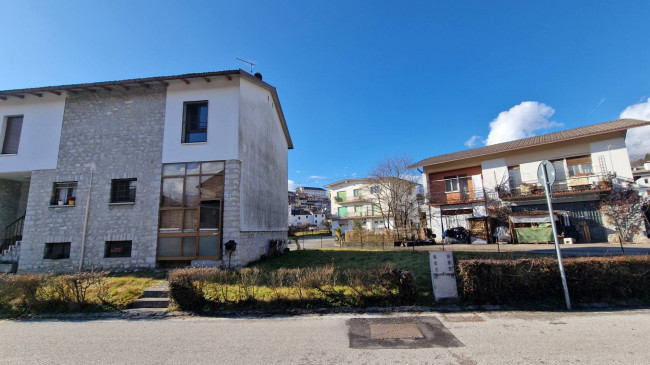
587 249
618 337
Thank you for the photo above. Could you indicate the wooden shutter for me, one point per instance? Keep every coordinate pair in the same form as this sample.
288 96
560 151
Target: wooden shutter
12 135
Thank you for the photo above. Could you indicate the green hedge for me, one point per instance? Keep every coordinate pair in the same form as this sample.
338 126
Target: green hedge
521 281
208 290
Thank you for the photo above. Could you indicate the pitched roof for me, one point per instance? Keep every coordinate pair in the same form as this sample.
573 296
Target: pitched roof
146 82
569 134
361 180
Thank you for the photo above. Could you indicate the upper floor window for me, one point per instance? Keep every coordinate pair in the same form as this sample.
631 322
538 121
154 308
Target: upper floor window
123 190
195 122
579 166
355 192
64 193
374 189
514 176
453 183
11 135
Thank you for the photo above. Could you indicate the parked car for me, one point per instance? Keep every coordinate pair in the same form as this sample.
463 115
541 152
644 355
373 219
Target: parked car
456 235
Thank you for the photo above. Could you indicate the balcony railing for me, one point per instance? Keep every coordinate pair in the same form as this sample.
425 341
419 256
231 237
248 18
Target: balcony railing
461 196
350 199
569 186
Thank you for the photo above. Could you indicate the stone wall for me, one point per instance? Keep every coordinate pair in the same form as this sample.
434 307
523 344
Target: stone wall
251 246
117 134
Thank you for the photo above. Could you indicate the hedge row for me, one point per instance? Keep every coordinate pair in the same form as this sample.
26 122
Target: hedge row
521 281
34 293
212 289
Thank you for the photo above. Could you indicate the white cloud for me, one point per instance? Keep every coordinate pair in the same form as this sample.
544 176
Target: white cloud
472 142
316 177
520 121
292 185
638 139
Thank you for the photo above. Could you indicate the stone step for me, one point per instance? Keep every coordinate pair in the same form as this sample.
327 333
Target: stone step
151 303
155 293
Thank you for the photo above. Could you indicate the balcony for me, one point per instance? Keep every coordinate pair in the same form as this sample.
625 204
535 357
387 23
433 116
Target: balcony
576 185
461 197
351 200
354 215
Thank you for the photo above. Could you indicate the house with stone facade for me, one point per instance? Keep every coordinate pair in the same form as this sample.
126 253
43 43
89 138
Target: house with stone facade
464 187
142 173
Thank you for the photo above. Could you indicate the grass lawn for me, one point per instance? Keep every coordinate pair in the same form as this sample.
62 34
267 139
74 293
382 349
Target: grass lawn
322 232
34 294
417 262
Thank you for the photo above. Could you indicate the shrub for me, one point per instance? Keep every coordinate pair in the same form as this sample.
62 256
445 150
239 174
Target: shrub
73 288
203 289
183 291
595 279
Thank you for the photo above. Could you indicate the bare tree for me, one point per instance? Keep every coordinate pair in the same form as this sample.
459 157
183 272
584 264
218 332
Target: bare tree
393 193
623 207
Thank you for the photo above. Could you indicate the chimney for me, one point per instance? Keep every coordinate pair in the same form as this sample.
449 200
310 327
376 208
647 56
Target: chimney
646 165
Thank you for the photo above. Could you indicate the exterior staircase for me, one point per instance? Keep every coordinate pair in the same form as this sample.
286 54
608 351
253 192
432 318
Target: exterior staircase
155 298
9 258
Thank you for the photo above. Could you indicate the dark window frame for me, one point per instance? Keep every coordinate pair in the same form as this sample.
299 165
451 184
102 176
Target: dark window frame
194 127
118 249
56 251
16 132
70 192
123 193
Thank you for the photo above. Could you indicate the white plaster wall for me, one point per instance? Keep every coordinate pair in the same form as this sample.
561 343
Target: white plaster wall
619 157
223 120
263 151
494 172
349 191
528 171
40 136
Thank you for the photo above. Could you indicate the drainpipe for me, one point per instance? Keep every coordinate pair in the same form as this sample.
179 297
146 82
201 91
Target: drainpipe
83 236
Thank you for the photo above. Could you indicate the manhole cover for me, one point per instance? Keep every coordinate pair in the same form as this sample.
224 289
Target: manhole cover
462 317
399 333
395 330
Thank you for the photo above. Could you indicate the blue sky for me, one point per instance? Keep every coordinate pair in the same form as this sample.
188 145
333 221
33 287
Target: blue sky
361 80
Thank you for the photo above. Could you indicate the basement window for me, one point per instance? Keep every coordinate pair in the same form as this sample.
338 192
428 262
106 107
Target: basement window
117 249
64 193
57 251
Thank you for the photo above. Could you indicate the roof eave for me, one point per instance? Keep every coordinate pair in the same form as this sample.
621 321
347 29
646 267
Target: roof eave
423 163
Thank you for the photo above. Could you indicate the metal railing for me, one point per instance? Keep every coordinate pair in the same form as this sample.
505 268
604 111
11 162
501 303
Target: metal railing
570 185
13 233
461 196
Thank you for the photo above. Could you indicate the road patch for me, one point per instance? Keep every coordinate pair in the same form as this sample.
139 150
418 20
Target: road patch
399 333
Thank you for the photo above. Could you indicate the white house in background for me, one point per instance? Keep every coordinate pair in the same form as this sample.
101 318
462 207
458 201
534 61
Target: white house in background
312 191
143 172
352 199
642 179
298 217
460 185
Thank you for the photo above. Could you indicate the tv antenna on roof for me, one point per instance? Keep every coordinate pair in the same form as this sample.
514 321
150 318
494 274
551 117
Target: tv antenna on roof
251 64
